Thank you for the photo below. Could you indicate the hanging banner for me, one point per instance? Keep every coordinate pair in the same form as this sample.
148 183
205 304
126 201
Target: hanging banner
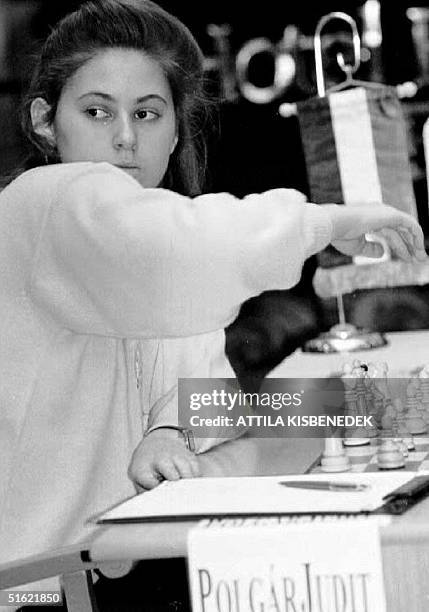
356 152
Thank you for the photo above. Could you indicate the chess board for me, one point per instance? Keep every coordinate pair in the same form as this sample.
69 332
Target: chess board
364 458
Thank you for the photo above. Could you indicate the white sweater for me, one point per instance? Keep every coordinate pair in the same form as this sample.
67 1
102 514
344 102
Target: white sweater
103 283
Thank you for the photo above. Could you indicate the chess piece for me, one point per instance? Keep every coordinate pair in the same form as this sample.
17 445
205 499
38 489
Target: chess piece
402 445
374 399
402 430
372 407
360 366
354 436
419 391
389 419
381 393
366 404
419 397
389 456
424 386
334 458
377 404
415 424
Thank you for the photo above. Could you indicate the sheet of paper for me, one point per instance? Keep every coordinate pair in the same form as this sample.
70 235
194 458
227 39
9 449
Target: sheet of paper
201 497
318 566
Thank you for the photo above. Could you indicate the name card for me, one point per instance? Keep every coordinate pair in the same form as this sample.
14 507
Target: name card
305 565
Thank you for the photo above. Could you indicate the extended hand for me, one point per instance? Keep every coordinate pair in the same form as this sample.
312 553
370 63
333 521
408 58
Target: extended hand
401 231
161 455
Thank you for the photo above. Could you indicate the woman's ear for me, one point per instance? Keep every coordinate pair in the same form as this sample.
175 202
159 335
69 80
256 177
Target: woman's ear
39 118
174 143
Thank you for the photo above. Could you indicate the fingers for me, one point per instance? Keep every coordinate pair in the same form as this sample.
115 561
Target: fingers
407 243
179 466
398 246
151 477
400 241
408 238
188 467
411 234
148 479
167 468
416 236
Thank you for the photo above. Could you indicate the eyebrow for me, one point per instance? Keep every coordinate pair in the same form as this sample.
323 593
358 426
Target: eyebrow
110 98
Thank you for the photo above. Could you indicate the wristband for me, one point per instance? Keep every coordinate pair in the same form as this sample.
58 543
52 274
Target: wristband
187 435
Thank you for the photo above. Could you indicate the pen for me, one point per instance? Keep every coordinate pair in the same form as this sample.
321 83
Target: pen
325 485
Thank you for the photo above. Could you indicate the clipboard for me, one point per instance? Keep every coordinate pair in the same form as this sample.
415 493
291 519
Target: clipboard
406 496
199 498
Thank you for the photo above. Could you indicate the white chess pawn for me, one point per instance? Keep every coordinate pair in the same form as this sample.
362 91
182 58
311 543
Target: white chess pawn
413 419
334 458
389 456
402 445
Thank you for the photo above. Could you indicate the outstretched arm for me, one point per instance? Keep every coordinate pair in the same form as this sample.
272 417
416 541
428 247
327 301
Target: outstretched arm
116 259
112 258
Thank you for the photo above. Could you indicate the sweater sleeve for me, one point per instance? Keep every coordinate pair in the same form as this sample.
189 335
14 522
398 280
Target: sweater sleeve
199 357
116 259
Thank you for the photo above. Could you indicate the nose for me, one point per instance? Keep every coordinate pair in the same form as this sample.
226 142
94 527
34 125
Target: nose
124 136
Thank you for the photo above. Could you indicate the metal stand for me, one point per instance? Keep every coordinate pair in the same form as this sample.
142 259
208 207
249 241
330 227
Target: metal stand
344 337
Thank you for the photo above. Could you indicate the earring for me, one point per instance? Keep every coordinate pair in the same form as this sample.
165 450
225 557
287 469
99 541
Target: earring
46 158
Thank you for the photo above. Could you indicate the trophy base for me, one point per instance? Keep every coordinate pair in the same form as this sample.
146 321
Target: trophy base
344 338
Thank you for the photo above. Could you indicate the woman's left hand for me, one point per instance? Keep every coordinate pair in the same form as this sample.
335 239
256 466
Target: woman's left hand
161 455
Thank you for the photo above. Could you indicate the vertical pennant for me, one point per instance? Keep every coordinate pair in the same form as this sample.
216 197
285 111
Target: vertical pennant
351 124
320 153
356 152
391 150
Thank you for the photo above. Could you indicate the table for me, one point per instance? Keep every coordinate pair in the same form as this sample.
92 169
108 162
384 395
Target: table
404 351
405 547
405 542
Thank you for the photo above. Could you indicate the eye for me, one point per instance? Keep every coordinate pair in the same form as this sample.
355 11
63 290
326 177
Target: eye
145 114
97 113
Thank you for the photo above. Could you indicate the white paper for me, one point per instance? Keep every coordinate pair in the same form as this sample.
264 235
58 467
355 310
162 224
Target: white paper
202 497
321 566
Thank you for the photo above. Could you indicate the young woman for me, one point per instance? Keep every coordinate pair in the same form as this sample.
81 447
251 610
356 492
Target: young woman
115 281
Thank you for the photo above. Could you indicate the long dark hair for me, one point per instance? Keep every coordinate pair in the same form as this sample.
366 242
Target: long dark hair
132 24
